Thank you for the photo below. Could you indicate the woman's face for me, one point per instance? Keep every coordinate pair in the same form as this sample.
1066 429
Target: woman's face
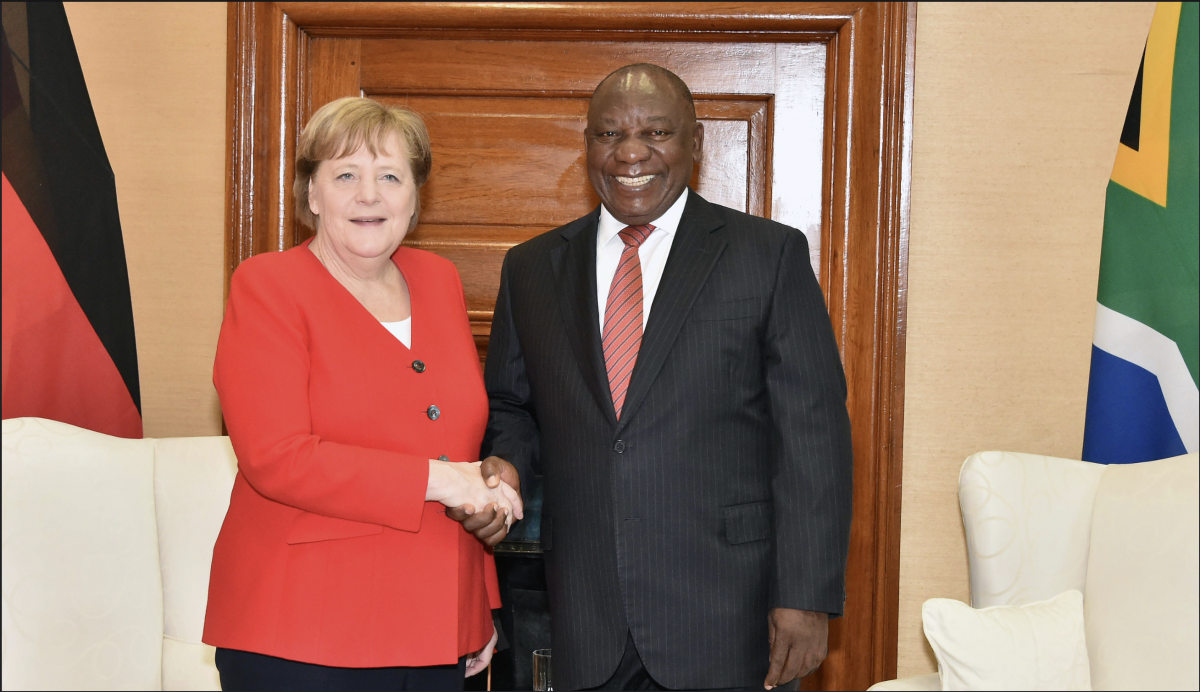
364 203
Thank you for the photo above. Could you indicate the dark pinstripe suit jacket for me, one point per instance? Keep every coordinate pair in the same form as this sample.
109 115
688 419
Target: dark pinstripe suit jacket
725 488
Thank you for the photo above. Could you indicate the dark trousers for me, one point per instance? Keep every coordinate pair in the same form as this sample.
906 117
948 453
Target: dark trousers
632 675
242 670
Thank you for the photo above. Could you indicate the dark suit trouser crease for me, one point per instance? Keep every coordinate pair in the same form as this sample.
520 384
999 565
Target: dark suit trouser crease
243 670
631 674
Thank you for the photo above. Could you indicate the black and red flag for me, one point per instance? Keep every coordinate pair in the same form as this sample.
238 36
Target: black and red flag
69 348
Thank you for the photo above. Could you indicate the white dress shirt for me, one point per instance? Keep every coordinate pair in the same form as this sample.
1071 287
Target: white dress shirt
652 254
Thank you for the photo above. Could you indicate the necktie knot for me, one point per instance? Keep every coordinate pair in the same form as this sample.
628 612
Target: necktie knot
634 236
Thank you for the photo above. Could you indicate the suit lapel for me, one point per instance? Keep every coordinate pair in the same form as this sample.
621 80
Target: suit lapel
694 253
574 264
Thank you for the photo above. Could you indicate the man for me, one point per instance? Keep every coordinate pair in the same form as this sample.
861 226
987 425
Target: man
668 367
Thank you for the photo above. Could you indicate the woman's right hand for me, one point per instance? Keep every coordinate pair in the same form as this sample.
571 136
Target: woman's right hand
489 524
456 484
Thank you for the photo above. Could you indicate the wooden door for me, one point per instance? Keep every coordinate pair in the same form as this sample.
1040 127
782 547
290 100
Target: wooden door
504 93
506 119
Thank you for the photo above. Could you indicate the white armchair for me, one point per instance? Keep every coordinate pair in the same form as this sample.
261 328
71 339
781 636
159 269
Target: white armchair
1127 536
107 544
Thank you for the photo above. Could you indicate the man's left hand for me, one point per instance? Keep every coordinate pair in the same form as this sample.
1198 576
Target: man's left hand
799 642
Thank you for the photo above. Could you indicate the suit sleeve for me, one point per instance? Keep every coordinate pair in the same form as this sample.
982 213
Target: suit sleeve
261 375
812 482
512 430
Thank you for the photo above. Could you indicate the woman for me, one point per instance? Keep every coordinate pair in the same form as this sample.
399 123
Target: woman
351 387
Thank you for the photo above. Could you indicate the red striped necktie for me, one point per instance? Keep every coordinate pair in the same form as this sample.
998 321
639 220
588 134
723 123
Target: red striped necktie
623 315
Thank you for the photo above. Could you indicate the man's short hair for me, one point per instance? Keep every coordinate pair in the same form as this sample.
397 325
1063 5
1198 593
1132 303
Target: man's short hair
670 76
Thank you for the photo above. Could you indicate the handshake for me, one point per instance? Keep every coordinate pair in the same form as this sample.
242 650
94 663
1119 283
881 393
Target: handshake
484 496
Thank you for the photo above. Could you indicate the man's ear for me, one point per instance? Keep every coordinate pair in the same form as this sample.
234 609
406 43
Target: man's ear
697 141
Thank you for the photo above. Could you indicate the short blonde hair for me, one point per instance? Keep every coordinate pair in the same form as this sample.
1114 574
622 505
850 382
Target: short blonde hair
340 127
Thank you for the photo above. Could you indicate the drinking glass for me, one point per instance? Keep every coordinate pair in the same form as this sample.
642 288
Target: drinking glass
542 680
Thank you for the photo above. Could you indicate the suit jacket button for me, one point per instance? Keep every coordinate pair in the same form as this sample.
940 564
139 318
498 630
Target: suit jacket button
443 458
433 412
619 447
418 365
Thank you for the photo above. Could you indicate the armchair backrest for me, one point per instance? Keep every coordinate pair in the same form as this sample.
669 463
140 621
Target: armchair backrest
1028 520
1127 536
82 588
1142 601
107 550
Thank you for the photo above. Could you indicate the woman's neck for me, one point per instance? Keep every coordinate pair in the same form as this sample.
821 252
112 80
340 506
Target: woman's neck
374 281
349 268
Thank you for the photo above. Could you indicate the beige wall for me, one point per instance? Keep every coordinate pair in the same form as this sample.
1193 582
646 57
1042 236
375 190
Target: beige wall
1018 112
156 75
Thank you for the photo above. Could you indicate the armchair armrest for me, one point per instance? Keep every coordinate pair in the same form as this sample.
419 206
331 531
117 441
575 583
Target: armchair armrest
919 682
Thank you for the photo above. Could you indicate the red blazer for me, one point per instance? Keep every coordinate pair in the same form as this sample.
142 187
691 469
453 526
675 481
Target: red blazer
329 553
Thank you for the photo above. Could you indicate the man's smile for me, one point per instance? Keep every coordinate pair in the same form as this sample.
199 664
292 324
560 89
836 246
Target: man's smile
634 182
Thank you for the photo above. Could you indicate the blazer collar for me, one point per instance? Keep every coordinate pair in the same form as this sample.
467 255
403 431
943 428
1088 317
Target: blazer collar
574 265
694 253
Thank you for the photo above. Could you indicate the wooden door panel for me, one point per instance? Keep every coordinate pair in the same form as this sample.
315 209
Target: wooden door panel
447 65
508 168
807 108
504 160
478 252
522 158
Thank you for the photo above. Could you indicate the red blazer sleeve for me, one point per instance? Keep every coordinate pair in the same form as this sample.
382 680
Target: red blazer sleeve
491 581
261 375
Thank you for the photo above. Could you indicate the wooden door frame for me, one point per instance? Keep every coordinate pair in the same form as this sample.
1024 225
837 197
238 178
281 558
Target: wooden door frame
868 151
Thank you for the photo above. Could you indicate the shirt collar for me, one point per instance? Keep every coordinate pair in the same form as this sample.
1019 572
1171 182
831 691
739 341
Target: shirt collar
669 222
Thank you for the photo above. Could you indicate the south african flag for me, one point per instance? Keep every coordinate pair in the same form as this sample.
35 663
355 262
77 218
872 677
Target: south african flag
1143 399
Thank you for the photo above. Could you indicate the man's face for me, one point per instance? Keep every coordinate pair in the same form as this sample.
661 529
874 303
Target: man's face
642 143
